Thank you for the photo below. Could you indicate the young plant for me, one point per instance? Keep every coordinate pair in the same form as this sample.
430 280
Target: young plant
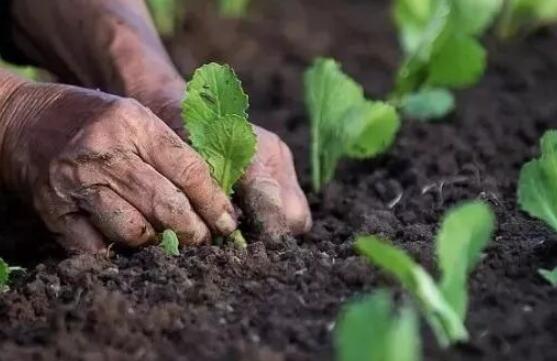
464 233
5 271
537 185
441 52
526 15
343 122
215 116
369 330
170 243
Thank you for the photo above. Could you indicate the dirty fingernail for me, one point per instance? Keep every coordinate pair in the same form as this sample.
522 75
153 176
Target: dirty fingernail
225 224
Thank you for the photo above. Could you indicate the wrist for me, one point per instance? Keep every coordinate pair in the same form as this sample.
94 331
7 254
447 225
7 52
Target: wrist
21 102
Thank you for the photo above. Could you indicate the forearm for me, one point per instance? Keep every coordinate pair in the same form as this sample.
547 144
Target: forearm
107 44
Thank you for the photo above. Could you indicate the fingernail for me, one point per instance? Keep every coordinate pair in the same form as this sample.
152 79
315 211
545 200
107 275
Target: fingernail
225 224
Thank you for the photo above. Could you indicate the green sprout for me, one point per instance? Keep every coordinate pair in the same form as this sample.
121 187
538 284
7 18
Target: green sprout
464 233
215 116
170 243
441 51
343 122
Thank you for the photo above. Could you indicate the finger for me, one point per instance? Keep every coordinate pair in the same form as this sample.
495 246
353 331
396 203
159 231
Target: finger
162 204
261 197
78 235
295 204
118 220
178 162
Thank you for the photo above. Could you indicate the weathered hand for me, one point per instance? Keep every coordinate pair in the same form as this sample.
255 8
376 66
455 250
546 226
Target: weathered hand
102 168
124 55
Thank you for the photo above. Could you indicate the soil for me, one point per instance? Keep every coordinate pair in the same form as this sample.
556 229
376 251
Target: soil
278 302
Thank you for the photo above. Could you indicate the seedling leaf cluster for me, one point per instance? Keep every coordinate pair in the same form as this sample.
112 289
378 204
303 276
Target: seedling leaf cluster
441 51
215 116
463 235
343 122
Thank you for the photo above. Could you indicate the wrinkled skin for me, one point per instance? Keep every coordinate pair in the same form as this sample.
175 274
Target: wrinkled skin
99 168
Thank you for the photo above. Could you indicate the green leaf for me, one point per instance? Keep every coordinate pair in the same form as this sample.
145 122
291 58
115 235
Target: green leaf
404 337
330 94
473 17
549 275
233 8
464 233
460 62
228 145
4 274
343 121
445 322
361 331
213 92
374 129
413 71
412 18
368 330
537 184
216 119
428 104
170 243
438 37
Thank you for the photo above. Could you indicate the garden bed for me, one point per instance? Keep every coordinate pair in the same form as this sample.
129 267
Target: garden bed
279 301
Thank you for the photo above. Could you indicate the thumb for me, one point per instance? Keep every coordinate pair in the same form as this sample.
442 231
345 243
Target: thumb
260 197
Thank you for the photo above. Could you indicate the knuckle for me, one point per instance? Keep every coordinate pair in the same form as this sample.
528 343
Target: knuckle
195 173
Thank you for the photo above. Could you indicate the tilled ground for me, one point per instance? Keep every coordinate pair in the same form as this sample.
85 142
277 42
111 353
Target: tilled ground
279 301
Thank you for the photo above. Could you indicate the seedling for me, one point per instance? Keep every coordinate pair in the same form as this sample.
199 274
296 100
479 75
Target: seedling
464 233
343 122
215 116
537 184
549 275
537 192
170 243
369 330
5 271
440 42
526 15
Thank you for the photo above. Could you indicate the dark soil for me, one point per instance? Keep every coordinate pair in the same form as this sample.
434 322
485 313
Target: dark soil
279 302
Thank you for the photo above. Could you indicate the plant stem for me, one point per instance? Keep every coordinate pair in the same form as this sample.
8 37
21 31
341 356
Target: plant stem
238 239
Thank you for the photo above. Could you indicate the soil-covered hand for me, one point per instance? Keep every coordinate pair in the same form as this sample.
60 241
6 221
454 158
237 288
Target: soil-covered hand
123 54
269 193
98 167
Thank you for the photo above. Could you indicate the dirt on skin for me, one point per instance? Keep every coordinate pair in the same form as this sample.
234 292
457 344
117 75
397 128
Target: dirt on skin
278 302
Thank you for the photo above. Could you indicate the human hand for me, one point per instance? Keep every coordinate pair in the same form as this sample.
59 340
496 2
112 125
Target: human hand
269 192
101 168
